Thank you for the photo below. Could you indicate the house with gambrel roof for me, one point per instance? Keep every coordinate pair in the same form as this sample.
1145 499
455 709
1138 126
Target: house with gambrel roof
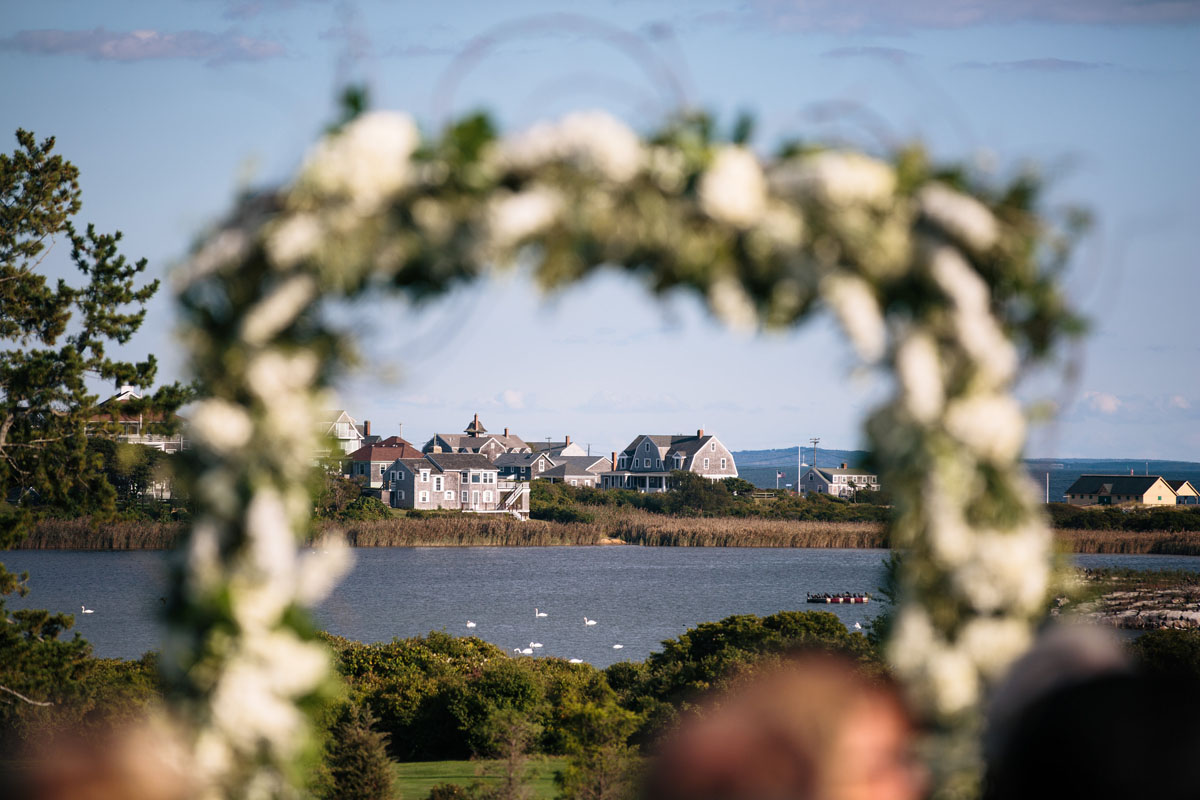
648 461
476 439
1112 490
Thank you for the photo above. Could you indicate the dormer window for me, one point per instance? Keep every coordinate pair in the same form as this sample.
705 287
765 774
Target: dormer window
424 476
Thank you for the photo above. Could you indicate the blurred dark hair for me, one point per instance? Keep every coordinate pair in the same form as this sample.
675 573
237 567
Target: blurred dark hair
1113 736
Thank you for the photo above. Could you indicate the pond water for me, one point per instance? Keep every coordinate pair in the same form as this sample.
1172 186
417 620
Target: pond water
638 596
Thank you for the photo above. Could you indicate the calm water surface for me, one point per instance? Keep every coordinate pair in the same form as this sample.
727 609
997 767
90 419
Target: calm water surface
639 596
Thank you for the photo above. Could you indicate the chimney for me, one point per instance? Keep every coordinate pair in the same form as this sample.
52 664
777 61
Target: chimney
843 465
506 433
614 457
700 433
366 428
568 441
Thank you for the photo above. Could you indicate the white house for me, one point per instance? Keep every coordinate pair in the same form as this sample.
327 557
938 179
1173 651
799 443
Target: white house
840 482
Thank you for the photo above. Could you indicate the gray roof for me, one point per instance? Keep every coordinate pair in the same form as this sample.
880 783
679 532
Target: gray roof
517 459
687 445
416 464
829 472
1113 484
460 461
578 465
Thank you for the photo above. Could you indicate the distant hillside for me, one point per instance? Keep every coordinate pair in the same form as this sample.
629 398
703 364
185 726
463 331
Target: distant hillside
759 467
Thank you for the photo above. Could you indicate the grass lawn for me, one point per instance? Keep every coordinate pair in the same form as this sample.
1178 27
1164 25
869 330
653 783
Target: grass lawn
415 778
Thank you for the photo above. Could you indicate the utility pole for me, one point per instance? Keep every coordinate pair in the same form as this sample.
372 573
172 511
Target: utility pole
815 441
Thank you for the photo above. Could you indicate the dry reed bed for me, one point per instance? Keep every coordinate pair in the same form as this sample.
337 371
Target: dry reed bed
1131 542
464 531
638 528
87 534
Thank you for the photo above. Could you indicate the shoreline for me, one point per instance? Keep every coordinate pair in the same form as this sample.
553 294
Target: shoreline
633 529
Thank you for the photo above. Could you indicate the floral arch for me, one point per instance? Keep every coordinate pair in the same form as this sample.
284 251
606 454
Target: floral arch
941 280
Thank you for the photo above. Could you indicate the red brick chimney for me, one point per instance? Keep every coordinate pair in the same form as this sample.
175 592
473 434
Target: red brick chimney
700 433
366 427
568 440
843 465
506 432
614 457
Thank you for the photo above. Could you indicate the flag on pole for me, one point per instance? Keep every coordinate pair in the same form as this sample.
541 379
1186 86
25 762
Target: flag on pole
779 474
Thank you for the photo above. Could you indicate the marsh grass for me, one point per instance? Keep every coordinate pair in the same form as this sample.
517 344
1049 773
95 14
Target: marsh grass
630 526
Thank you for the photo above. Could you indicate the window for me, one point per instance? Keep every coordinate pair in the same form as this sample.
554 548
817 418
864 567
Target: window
475 477
464 496
723 463
400 474
438 483
706 463
621 463
660 463
487 497
382 467
541 466
424 497
400 494
635 463
489 477
574 482
646 447
449 497
463 476
474 498
712 446
395 475
424 476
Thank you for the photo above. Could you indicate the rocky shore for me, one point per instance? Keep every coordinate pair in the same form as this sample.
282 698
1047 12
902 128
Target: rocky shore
1140 601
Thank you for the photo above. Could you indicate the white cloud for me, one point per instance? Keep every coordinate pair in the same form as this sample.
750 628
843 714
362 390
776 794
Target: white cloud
1103 402
1179 401
512 398
144 45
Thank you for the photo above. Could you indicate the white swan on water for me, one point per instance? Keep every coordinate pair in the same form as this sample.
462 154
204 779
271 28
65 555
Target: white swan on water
617 646
470 624
528 651
537 613
858 626
587 621
535 644
574 660
86 610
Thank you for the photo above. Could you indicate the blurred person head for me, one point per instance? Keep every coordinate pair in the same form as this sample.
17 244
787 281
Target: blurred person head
143 760
814 728
1116 735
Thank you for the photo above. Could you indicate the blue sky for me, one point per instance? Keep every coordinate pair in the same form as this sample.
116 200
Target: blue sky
168 107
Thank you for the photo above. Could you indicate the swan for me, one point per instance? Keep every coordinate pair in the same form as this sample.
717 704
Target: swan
86 610
858 626
528 651
535 644
470 624
537 613
587 621
574 660
617 646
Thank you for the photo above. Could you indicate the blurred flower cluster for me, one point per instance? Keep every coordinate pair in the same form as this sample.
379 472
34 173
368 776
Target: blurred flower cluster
941 280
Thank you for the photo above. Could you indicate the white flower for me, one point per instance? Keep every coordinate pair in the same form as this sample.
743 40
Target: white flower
730 304
912 638
852 299
278 309
963 217
247 711
781 226
272 374
221 426
366 162
837 178
229 246
919 373
294 667
992 425
733 189
590 140
981 337
994 643
1008 571
953 680
513 217
293 240
320 569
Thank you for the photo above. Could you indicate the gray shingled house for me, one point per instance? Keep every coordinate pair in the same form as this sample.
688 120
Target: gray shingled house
476 439
453 481
649 460
842 481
